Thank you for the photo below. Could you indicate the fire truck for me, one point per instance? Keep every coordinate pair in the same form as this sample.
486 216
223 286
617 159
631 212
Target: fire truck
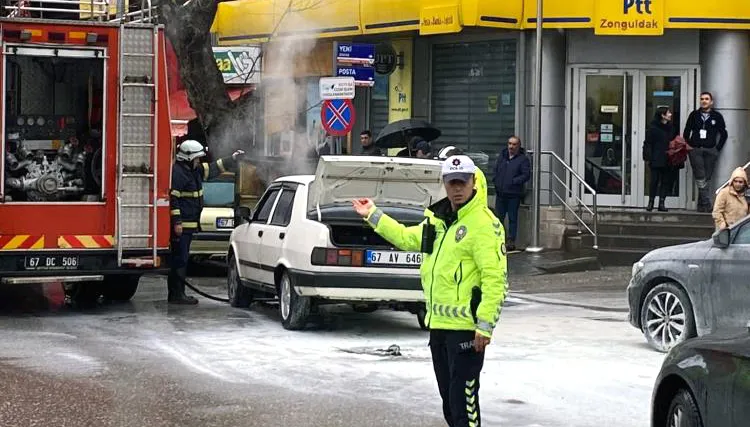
87 153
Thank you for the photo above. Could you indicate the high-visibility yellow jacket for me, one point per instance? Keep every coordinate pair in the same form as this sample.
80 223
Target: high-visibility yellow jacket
468 256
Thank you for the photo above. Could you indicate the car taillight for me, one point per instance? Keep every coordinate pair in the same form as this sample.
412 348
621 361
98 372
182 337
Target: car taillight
337 257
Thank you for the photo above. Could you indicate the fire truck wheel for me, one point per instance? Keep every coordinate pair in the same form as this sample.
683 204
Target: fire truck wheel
120 288
83 294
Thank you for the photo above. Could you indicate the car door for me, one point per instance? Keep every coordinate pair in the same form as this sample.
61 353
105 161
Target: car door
250 240
729 289
275 233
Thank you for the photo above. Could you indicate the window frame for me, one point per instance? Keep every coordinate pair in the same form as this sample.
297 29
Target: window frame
288 216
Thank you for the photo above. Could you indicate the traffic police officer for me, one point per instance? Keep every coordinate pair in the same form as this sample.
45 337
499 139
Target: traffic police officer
464 277
186 204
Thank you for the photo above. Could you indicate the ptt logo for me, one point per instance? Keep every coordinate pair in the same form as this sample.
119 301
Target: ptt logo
641 6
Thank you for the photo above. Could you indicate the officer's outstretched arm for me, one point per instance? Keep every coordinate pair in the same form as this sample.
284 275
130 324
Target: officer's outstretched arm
489 256
214 169
403 237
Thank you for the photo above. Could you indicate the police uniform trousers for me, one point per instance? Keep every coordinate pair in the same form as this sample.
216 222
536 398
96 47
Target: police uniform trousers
457 366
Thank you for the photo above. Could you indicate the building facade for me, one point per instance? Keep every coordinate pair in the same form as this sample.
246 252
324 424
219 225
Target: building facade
468 68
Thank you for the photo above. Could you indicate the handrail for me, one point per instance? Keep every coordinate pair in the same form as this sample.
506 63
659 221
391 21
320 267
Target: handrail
747 165
570 191
87 9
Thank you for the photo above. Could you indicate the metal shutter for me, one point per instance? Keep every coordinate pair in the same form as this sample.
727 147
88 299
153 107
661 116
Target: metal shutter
466 79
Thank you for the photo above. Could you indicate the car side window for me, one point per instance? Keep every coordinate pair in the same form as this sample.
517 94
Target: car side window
282 215
265 205
743 235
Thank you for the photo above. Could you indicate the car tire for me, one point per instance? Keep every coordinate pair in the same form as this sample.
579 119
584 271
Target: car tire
83 295
120 288
238 295
667 317
683 411
294 309
421 315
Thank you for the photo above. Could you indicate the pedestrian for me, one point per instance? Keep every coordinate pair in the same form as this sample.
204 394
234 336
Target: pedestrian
464 278
706 132
731 205
186 204
512 171
368 145
655 152
424 150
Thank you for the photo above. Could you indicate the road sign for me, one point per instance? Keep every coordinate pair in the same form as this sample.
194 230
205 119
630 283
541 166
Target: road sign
337 116
362 75
336 88
355 53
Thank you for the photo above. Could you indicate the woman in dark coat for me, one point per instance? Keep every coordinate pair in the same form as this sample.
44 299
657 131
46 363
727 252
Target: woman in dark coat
659 135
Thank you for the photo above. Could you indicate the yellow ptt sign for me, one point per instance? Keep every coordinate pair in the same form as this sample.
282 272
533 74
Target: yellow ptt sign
629 17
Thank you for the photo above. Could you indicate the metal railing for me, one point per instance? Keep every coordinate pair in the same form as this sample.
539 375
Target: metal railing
747 165
572 186
96 10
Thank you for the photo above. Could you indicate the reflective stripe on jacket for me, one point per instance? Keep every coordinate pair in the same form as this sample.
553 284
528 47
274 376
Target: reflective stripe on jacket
186 193
465 277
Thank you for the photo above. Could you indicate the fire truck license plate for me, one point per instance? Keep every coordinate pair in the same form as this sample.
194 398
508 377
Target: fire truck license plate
52 262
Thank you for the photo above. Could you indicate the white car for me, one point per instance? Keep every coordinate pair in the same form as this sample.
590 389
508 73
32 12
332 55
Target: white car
305 244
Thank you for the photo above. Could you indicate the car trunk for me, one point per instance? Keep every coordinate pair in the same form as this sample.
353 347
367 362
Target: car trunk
402 187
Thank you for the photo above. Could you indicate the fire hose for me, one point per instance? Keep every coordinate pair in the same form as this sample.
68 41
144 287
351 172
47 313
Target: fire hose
201 293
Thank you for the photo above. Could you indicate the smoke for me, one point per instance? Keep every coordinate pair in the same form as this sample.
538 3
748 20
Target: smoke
280 129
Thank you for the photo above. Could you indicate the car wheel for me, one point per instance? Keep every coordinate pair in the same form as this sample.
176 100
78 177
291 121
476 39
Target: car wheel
667 317
120 288
237 294
83 295
683 411
365 308
294 309
421 315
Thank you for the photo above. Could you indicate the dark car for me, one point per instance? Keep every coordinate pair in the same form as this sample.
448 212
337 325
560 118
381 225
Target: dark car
679 292
705 382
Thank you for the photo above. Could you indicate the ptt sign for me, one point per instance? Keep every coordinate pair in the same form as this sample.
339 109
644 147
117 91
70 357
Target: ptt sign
629 17
641 6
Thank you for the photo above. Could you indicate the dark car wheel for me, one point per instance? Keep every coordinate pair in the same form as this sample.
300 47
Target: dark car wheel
238 294
683 411
667 317
120 288
294 309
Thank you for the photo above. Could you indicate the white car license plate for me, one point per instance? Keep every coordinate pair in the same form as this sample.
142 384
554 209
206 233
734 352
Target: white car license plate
392 258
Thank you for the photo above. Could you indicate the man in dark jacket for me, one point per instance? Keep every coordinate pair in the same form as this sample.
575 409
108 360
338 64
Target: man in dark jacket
512 170
368 145
706 132
186 204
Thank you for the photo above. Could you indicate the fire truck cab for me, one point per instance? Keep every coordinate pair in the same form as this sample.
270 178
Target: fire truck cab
86 143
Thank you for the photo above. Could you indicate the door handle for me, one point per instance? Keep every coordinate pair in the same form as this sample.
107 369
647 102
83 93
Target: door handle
260 233
282 235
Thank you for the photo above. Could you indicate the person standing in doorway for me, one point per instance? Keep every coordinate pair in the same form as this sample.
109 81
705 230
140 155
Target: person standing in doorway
512 171
655 147
368 145
706 132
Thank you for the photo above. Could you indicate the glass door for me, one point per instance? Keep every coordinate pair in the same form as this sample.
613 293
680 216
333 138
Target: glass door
603 139
659 88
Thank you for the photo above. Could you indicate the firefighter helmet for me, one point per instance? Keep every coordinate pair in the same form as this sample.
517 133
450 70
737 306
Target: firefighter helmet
189 150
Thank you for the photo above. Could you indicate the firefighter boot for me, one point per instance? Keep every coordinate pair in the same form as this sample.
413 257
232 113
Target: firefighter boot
179 296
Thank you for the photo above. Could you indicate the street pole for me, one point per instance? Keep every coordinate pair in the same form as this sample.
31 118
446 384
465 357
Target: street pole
536 133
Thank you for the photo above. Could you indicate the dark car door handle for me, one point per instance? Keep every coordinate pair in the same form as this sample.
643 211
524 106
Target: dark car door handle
282 235
260 233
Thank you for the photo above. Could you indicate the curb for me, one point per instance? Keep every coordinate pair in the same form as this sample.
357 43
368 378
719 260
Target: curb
552 301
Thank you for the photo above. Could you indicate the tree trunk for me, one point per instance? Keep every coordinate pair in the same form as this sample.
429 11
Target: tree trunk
227 124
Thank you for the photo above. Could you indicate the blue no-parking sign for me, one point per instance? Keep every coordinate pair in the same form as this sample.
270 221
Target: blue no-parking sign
337 116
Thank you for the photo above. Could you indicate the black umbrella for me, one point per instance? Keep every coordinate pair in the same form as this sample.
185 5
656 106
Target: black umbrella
398 134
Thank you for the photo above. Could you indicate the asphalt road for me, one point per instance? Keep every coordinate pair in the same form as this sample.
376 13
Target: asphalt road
148 363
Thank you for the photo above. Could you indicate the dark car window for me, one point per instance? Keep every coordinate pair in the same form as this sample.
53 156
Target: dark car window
263 211
283 212
743 235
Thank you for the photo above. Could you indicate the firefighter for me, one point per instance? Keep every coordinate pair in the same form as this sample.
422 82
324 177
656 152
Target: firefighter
186 204
464 278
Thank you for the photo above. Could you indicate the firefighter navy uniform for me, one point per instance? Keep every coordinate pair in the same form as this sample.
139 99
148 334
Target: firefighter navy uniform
186 204
464 277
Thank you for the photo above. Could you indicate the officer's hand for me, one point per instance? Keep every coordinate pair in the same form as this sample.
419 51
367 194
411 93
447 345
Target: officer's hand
362 206
238 153
178 229
480 342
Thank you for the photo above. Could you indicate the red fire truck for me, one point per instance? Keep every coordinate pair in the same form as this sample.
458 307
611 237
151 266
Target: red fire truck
84 195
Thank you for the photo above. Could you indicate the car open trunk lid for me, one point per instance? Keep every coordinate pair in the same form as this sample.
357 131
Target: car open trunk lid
388 181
